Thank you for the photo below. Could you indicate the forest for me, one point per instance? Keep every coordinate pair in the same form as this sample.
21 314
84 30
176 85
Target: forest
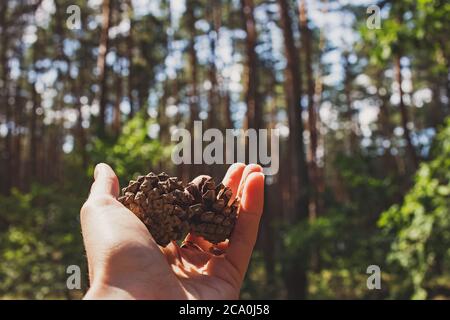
359 92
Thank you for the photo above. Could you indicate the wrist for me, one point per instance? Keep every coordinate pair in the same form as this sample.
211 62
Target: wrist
106 292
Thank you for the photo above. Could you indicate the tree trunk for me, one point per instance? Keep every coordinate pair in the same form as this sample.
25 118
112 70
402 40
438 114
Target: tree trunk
293 87
117 114
404 113
272 199
352 144
193 94
4 92
446 80
101 63
193 77
312 119
130 45
437 109
33 133
213 94
385 123
18 120
318 90
80 133
214 98
254 115
295 276
228 119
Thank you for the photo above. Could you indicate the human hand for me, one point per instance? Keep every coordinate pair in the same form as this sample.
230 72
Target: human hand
126 263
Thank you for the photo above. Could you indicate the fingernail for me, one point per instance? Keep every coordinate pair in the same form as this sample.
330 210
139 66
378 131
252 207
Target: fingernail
254 166
237 164
261 174
98 169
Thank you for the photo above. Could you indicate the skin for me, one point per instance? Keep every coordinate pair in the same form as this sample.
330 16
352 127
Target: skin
126 263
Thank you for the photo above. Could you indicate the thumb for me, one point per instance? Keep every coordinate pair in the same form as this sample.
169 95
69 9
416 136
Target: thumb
106 182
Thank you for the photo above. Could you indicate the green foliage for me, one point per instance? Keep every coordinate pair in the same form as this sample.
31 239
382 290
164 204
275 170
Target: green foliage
300 239
411 26
338 246
39 239
133 152
420 227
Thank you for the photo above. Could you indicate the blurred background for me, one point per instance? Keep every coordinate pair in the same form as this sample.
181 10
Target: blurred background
361 109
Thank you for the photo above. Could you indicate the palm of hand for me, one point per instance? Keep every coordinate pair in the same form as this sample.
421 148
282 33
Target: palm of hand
125 262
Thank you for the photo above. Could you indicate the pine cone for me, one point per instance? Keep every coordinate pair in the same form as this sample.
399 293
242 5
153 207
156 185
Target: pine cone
170 211
161 203
213 216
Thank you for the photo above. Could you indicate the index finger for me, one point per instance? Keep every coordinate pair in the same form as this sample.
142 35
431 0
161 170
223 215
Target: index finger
245 232
231 180
233 177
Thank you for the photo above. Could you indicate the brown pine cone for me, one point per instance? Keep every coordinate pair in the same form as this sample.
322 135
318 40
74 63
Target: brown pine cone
170 211
213 214
161 203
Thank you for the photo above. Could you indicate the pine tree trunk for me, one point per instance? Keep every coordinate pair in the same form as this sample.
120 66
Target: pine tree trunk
193 169
404 113
446 80
293 87
33 133
17 119
352 144
130 46
118 80
193 93
312 119
385 124
227 96
80 133
117 113
437 110
318 90
272 200
295 275
101 64
228 119
254 116
213 94
4 92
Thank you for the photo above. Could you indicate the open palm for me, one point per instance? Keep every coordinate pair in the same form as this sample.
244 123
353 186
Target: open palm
125 262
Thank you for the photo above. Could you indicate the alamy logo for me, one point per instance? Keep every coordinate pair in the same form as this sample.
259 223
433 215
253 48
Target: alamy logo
73 22
374 19
374 280
74 280
228 149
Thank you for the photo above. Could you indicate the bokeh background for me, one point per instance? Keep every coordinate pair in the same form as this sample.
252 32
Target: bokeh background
365 144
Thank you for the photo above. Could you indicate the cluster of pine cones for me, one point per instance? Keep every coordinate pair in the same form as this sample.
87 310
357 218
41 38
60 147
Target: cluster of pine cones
171 210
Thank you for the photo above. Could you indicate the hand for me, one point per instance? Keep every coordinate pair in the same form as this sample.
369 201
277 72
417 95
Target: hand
126 263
